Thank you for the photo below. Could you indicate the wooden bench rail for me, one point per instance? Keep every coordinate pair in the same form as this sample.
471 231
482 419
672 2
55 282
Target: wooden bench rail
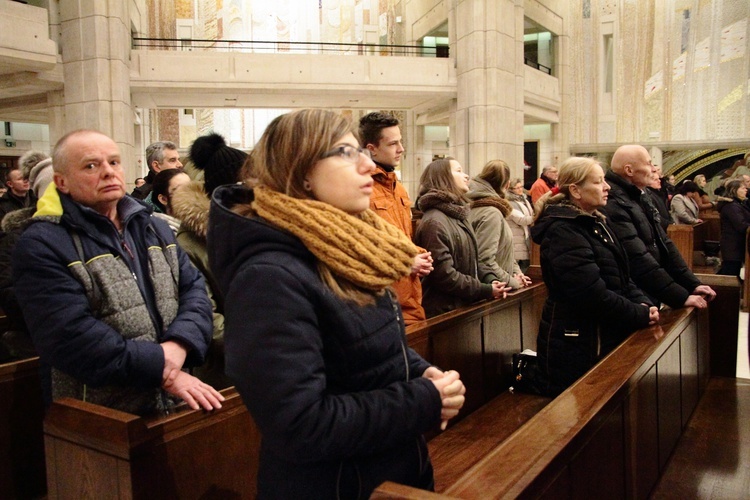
619 423
96 452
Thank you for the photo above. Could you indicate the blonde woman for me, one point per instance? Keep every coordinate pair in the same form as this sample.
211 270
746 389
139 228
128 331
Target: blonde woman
592 304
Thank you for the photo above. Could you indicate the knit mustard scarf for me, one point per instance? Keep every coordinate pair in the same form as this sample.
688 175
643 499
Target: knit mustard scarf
365 250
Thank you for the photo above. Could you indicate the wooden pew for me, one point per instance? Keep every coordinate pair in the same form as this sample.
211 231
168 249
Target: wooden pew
746 283
479 340
21 443
682 235
93 452
618 424
97 452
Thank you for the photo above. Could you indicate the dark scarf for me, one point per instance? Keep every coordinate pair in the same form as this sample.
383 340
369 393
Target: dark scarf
548 181
493 201
445 202
387 168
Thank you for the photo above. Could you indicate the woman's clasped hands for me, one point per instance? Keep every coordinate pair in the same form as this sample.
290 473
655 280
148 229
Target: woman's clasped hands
451 390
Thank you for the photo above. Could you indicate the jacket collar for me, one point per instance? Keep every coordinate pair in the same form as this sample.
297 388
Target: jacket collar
630 189
55 206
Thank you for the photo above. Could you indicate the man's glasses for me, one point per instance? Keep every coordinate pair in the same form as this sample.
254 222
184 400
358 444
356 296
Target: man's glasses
349 153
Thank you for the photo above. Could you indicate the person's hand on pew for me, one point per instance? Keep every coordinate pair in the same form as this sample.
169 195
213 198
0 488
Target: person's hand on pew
451 390
174 358
653 314
706 291
500 290
191 390
697 301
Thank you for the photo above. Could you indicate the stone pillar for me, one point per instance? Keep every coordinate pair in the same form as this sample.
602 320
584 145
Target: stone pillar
96 64
419 155
488 50
561 131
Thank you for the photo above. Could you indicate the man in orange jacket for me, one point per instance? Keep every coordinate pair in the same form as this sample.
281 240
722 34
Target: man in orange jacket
380 133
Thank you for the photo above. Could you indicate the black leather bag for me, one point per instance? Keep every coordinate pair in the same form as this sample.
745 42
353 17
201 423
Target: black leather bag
526 375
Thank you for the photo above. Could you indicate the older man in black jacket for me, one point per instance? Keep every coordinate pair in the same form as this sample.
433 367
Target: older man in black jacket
656 265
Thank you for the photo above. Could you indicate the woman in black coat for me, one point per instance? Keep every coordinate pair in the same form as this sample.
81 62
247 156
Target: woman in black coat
314 339
735 219
592 304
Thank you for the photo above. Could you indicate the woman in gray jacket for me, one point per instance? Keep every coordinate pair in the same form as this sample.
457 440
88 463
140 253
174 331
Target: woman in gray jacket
489 209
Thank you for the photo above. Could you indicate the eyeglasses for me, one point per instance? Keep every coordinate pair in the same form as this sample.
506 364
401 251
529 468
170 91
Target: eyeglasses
349 153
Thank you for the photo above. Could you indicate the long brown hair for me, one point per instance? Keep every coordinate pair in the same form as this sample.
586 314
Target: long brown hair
438 175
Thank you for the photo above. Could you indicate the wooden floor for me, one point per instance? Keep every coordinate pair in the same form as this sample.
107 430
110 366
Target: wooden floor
712 459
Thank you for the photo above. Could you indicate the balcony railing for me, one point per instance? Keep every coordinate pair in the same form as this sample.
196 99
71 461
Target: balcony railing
270 47
536 65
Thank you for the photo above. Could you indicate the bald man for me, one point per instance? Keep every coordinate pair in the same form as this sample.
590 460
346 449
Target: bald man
655 264
114 307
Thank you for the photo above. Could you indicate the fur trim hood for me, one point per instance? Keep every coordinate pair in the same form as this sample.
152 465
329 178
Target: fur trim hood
17 220
190 205
481 194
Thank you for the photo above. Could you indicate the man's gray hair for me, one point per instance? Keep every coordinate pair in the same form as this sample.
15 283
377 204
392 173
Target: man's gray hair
155 151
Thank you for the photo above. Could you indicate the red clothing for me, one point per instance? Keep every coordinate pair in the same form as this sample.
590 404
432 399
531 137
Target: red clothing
538 189
391 202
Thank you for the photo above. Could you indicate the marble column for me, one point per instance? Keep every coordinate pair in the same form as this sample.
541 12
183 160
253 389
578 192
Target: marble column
96 44
488 46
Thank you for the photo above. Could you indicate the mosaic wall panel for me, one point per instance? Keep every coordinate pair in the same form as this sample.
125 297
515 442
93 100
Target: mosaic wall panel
681 69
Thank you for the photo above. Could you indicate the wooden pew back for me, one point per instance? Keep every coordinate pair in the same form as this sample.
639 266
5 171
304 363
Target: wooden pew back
92 451
479 340
97 452
21 443
618 424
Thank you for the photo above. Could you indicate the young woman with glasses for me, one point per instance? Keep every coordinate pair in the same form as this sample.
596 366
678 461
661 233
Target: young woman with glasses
314 338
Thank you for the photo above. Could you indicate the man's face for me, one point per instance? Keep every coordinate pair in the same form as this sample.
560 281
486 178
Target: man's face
642 170
389 149
746 180
93 173
17 184
551 174
171 160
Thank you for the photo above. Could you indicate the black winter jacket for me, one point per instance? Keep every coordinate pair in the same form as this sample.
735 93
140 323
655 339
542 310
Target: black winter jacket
735 219
335 391
592 304
656 265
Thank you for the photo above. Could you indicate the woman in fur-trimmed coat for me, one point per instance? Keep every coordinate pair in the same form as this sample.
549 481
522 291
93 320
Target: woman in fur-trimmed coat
220 164
190 205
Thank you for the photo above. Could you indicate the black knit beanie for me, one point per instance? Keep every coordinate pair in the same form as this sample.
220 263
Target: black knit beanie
220 163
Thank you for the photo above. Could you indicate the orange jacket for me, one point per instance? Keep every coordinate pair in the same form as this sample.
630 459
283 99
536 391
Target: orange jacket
538 189
391 201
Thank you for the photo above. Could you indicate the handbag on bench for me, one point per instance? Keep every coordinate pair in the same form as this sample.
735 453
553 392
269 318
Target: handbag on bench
526 375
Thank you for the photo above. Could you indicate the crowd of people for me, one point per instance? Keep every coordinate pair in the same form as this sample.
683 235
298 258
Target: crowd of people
292 272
